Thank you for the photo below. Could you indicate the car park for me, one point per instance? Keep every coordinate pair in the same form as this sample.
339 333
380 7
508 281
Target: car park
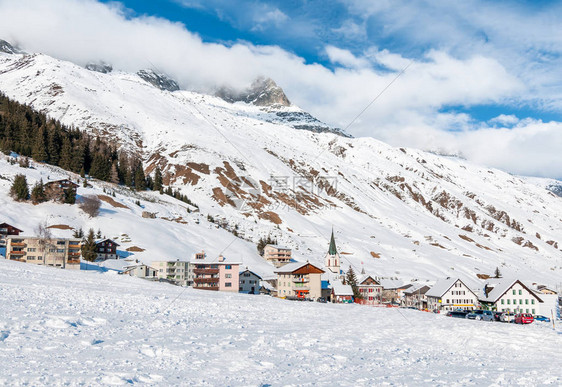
506 317
457 313
484 315
524 318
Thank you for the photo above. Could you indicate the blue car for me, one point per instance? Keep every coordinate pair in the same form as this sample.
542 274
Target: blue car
542 318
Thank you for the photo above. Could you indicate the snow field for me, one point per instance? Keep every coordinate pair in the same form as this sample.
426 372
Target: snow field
85 328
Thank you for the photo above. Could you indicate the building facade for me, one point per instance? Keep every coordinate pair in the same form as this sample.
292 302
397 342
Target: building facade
57 252
451 294
341 294
370 289
218 274
174 271
301 280
106 249
60 190
510 295
141 271
250 282
277 255
6 230
414 296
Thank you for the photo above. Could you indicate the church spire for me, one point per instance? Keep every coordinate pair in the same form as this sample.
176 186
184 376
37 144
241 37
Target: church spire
332 250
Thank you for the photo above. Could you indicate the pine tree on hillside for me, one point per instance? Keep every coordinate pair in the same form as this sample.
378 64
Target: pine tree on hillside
19 190
38 193
39 151
66 161
140 180
89 247
497 273
79 233
114 175
158 180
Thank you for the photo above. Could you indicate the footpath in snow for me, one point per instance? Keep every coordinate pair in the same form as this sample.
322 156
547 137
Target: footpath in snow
61 327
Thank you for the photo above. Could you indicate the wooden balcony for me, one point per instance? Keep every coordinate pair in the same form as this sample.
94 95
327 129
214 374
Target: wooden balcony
206 271
301 279
18 244
17 252
18 259
206 280
73 261
73 254
74 246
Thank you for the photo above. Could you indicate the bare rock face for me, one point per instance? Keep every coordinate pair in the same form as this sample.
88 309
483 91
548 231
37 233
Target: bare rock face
262 92
161 81
8 48
100 67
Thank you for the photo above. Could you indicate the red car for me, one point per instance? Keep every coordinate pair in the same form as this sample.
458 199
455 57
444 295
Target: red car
524 318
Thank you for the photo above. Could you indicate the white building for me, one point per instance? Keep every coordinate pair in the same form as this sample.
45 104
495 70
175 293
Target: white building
250 282
451 294
174 271
140 271
510 295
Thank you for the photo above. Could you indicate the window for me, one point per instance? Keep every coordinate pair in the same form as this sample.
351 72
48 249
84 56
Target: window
502 301
447 301
533 302
526 310
533 311
31 258
31 249
228 275
228 284
60 243
513 291
514 301
526 302
520 292
228 267
520 302
243 281
508 301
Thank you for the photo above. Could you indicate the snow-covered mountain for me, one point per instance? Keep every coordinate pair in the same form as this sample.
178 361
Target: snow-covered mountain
271 168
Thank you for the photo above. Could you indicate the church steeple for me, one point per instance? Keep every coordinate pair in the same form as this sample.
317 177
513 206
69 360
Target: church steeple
332 250
332 259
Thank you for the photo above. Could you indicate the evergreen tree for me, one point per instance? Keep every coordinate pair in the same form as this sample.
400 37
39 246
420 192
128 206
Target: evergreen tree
19 190
140 180
89 247
39 151
70 196
114 175
38 193
66 161
497 273
158 179
78 233
351 279
98 235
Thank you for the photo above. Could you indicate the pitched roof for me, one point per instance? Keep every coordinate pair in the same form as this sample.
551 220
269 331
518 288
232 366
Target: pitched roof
278 247
294 266
501 286
98 241
249 271
441 287
340 289
364 277
390 283
417 288
9 225
332 249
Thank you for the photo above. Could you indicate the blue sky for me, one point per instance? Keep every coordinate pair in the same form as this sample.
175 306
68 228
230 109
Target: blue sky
483 81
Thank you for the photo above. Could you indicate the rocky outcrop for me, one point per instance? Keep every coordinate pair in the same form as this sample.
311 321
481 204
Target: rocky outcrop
262 92
7 48
159 80
100 67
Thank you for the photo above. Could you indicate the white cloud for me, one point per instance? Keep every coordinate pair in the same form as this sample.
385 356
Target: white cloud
504 120
408 113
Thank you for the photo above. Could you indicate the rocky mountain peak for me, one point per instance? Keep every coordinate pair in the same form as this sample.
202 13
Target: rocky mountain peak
8 48
159 80
100 67
262 92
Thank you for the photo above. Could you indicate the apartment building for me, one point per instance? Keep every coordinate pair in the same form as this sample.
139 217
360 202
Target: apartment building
174 271
510 295
57 252
7 229
220 274
451 294
277 255
299 279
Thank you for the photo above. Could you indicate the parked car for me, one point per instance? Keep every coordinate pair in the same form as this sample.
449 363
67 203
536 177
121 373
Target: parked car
524 318
497 316
507 317
321 299
457 313
484 315
542 318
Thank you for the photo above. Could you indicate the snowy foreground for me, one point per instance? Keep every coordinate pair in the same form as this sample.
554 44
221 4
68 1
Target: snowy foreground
70 328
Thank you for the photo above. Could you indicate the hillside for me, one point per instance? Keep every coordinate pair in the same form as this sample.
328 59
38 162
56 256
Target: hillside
271 170
86 328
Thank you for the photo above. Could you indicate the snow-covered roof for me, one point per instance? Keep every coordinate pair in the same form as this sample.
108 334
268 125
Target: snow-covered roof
340 289
390 283
364 277
290 267
98 241
279 247
441 287
214 261
417 287
501 286
248 270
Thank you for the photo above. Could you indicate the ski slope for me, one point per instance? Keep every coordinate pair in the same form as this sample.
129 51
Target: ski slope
85 328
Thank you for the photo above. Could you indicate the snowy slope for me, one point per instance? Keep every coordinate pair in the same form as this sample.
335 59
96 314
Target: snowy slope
425 216
86 328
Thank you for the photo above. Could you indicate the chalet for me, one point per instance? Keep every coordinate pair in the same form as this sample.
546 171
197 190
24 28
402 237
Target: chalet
173 271
510 295
59 190
277 255
341 294
370 289
299 279
249 282
5 230
140 271
219 274
414 296
57 252
451 294
106 249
